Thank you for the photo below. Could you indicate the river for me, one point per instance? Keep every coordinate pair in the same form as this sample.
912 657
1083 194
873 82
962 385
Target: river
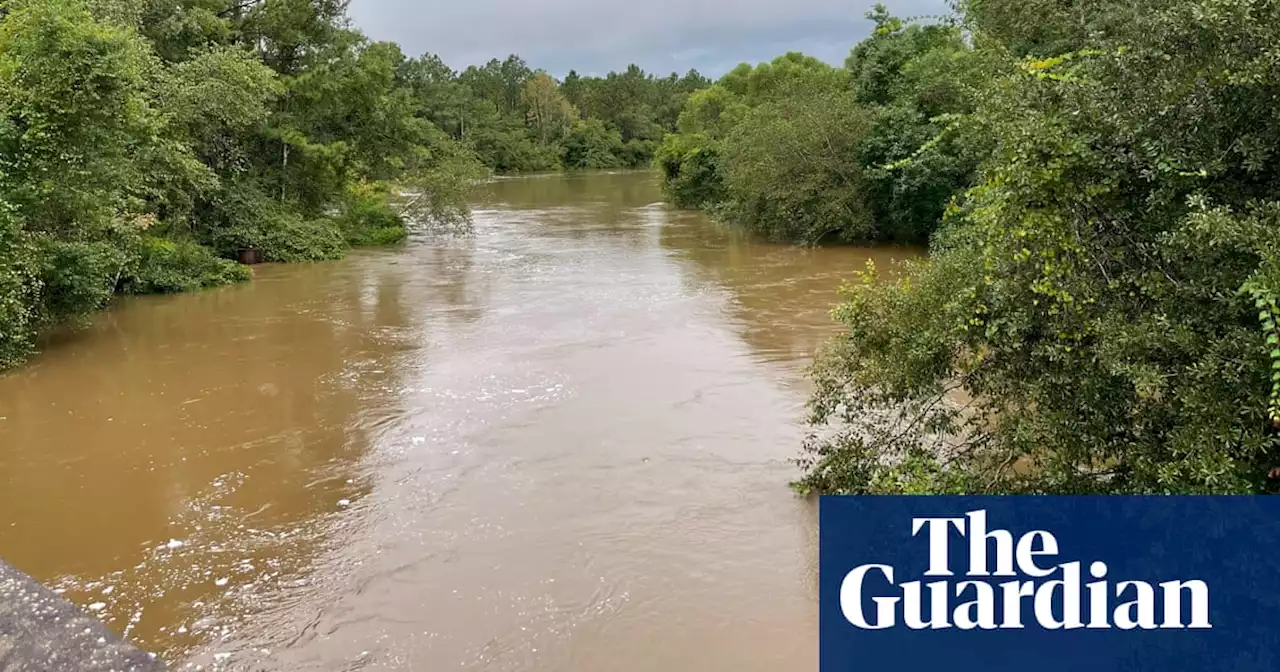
560 443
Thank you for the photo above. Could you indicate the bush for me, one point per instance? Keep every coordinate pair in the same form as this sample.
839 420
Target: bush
367 217
636 153
907 190
19 291
690 167
285 237
510 150
248 219
292 238
168 266
78 278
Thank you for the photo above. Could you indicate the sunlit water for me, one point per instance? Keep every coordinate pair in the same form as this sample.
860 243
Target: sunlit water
559 444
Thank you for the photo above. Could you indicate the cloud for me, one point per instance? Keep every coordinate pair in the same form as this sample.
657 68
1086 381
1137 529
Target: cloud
596 36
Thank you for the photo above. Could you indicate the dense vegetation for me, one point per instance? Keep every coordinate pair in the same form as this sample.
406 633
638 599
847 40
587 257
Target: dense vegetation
802 151
1099 311
519 120
144 143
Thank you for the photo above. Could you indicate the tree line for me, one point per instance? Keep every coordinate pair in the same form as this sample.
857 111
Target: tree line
517 119
145 143
1099 187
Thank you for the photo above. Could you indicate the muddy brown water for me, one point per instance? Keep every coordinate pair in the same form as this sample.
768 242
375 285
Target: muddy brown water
561 443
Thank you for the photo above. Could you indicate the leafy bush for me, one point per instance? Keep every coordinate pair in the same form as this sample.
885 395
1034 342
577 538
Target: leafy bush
78 278
169 266
508 149
908 190
292 238
19 290
690 166
367 217
636 152
248 219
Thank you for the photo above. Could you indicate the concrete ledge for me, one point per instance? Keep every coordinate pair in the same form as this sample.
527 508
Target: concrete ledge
41 632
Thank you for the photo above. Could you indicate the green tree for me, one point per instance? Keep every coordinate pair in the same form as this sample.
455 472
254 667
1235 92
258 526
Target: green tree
920 83
138 140
1101 315
548 112
592 145
791 170
74 112
713 111
690 164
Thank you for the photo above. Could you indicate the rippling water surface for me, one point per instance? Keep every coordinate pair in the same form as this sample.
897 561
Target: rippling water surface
559 444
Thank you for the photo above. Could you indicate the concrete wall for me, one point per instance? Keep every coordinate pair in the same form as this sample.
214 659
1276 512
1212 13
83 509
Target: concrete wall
41 632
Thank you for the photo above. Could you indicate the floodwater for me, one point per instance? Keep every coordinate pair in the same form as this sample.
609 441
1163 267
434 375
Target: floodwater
559 444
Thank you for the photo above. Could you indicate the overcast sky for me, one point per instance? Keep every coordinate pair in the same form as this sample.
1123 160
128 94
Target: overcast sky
596 36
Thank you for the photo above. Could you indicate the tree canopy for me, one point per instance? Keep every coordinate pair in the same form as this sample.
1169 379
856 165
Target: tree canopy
801 151
1099 310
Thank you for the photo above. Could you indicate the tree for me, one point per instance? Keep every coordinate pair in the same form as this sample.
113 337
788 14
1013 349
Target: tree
549 113
713 111
440 97
590 145
919 82
139 141
1100 316
501 82
791 170
74 111
690 164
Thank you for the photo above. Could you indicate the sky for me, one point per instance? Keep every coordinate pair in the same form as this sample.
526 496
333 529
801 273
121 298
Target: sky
597 36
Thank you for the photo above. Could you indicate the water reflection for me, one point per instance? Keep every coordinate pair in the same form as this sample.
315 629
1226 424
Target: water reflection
780 296
618 190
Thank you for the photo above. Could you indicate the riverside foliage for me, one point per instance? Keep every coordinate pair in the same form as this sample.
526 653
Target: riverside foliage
801 151
143 143
1098 313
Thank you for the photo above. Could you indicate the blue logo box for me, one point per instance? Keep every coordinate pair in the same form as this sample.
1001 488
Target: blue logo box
1079 584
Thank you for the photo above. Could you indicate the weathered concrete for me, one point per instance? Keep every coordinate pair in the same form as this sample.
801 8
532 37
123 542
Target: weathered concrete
41 632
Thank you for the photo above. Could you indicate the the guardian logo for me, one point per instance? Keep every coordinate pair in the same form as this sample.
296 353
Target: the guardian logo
1040 590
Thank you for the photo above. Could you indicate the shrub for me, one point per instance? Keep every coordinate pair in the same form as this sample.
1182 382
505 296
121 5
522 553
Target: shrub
248 219
19 291
169 266
367 217
77 277
690 167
